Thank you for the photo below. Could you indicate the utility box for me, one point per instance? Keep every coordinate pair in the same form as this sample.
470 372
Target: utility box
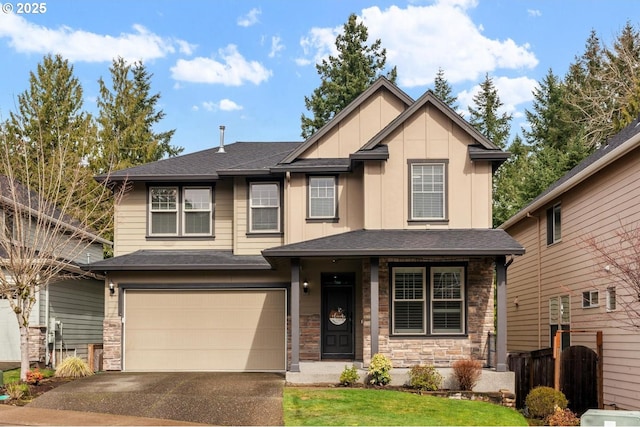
609 418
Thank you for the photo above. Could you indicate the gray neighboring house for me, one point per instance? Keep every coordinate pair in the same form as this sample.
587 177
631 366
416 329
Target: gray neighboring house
68 314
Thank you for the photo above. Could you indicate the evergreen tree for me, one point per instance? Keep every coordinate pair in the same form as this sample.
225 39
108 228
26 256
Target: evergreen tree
443 90
623 61
127 115
509 194
485 115
346 76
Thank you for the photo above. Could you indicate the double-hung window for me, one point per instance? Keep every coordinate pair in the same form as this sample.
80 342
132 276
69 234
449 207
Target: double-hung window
590 299
264 207
322 197
560 318
180 211
554 224
428 300
428 191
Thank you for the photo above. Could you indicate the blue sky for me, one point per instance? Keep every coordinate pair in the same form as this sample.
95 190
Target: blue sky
248 64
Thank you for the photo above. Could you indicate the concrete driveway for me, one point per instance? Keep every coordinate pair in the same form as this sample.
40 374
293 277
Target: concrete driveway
207 397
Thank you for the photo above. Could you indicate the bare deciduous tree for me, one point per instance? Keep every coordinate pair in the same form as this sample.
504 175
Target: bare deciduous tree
618 261
52 212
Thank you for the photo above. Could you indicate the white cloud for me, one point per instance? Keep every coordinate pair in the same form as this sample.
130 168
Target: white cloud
276 46
512 92
229 105
84 46
223 105
232 69
534 12
250 18
209 105
421 39
186 48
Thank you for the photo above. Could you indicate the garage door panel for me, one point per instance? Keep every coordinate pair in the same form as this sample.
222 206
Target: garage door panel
205 330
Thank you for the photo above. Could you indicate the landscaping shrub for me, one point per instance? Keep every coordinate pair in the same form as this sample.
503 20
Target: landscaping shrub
17 390
425 378
73 367
34 376
562 417
349 376
467 372
379 370
542 401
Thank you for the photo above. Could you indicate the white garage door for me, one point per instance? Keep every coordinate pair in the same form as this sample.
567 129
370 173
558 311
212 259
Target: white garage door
204 330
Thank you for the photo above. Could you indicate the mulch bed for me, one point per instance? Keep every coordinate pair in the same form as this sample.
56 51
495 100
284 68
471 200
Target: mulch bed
36 390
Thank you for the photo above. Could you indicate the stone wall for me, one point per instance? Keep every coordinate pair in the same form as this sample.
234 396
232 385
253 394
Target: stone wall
112 342
310 337
37 344
437 351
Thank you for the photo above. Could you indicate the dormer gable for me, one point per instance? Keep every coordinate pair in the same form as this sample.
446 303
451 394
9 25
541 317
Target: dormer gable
365 116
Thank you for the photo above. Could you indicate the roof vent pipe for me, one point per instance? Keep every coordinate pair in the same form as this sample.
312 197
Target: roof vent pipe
221 149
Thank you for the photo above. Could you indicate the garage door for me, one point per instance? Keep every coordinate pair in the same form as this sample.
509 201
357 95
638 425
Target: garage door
198 330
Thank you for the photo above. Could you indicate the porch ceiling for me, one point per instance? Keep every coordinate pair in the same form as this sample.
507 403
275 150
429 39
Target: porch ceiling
467 242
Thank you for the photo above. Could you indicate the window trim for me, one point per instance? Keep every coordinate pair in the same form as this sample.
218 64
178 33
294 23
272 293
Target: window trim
462 299
445 190
151 211
185 211
250 229
553 212
588 301
428 299
423 270
321 218
611 298
180 212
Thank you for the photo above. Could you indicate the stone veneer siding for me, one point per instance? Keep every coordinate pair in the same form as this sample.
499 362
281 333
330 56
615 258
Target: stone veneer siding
438 351
112 344
37 343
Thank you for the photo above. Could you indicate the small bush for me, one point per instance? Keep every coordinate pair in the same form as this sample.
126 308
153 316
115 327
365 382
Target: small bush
73 367
34 376
17 390
467 372
425 378
562 417
349 376
542 401
379 370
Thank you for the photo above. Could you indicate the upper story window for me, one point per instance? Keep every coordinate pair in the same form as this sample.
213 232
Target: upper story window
428 190
322 197
554 224
428 300
264 207
174 211
590 299
611 299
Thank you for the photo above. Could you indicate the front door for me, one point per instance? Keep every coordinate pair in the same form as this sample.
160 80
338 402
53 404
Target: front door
337 315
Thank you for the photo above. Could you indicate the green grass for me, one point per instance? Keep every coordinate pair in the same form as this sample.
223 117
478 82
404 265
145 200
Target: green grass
345 406
13 375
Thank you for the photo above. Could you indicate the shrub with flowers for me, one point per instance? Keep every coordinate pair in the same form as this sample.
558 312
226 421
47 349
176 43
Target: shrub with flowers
34 376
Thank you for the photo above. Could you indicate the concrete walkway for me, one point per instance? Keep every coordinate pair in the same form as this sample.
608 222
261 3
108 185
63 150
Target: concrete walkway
184 398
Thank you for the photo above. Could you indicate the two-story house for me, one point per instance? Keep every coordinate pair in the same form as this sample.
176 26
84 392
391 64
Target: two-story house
373 235
563 284
68 314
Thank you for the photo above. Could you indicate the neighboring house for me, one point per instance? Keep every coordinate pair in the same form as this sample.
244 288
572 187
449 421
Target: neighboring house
68 314
373 235
560 283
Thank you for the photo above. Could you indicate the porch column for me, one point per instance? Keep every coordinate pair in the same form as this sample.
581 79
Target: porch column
295 315
501 338
375 291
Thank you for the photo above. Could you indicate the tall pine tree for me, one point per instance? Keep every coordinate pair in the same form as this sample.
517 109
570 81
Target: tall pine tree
346 76
486 117
443 90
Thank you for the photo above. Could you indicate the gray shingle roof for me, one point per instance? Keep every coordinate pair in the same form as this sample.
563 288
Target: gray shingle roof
154 260
466 242
239 157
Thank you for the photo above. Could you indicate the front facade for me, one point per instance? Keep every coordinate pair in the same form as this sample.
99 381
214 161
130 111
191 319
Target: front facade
374 235
561 283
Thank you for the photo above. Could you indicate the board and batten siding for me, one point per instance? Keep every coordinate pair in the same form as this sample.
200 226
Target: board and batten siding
79 306
131 216
597 207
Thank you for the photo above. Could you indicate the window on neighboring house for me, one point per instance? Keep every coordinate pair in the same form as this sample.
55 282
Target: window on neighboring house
560 318
590 299
428 185
175 211
264 207
611 299
436 290
554 224
322 197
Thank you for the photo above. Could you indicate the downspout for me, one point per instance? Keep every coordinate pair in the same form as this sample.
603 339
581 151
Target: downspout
47 355
539 274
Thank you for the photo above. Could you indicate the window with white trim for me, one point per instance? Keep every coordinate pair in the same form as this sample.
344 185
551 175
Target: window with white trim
428 300
428 191
264 207
322 197
590 299
611 299
180 211
560 318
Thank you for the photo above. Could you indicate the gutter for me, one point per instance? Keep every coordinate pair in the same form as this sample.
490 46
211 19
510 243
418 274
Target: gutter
605 160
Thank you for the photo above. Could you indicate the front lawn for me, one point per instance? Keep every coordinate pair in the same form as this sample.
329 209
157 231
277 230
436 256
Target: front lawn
357 406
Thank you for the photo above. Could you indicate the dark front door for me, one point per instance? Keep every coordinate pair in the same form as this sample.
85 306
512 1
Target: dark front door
337 315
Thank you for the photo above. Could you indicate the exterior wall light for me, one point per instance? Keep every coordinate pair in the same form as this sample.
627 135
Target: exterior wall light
305 286
112 288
